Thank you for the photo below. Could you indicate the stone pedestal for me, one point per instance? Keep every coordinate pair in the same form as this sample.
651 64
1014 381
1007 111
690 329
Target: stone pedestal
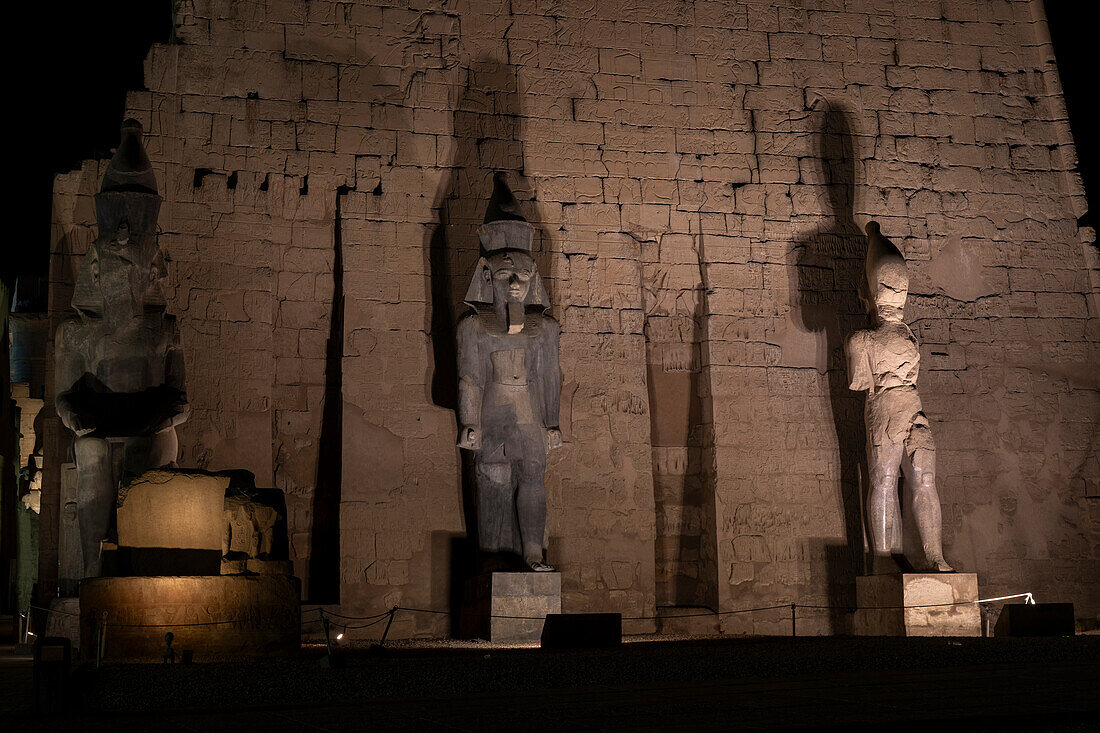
63 619
510 607
918 604
215 617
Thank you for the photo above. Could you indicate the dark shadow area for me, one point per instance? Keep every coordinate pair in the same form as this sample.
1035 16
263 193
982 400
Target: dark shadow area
73 84
680 420
827 269
488 139
1074 49
324 554
702 435
697 685
451 565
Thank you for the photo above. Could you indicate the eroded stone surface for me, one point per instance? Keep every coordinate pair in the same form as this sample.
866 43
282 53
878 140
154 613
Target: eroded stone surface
883 362
255 525
732 150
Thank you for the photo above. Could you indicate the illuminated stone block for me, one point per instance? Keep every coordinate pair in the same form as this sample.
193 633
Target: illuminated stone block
511 607
918 604
173 509
212 616
169 523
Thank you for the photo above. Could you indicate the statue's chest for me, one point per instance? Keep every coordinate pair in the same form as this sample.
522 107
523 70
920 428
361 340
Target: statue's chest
129 360
511 357
509 366
895 352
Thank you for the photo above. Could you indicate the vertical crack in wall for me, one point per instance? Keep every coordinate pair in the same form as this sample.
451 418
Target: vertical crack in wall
324 556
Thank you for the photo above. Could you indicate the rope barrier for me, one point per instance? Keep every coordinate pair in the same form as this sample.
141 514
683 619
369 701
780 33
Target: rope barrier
389 615
325 612
54 610
701 615
1030 598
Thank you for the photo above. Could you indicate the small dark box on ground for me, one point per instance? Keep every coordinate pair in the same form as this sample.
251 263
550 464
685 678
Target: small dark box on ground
52 661
580 630
1035 619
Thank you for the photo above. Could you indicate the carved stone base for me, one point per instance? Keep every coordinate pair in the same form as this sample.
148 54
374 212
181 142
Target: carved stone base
215 617
63 619
525 597
918 604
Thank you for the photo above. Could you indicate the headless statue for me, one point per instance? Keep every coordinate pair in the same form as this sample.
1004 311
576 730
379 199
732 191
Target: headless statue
119 366
883 362
509 386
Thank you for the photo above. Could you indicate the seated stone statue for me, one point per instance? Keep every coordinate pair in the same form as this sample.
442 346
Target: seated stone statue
119 367
509 386
883 361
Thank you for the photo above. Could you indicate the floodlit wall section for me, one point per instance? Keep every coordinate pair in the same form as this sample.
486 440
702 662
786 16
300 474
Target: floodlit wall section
698 174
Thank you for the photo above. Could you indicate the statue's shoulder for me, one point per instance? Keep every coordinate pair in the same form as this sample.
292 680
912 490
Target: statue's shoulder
172 326
469 322
69 331
548 324
857 341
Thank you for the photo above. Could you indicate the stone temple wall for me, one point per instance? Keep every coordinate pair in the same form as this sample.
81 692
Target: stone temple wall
698 174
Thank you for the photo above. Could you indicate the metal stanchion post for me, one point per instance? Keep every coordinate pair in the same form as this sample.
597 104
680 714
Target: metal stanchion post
389 622
101 640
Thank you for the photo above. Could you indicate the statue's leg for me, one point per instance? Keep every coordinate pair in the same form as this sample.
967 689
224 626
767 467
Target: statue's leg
531 510
164 449
146 452
495 508
883 507
919 466
96 489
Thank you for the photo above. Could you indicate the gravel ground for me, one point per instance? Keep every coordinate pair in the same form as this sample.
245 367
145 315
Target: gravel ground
441 669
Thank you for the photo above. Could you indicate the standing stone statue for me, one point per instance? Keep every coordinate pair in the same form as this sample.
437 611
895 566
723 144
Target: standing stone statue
119 366
883 362
509 385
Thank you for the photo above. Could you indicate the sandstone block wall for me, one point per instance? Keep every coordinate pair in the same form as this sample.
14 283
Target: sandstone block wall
698 173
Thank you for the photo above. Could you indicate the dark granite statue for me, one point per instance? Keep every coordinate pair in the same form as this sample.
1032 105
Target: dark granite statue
509 385
883 361
119 367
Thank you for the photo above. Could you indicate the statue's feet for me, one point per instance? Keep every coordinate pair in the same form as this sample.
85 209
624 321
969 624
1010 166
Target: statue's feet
540 567
940 565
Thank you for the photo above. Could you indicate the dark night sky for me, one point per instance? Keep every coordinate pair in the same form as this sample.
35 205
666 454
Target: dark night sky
71 89
70 84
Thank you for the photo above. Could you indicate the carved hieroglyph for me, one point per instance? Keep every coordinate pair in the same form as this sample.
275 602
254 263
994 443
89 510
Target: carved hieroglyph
119 367
509 385
883 362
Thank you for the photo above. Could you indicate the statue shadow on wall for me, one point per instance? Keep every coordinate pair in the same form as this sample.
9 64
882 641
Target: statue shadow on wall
487 140
826 268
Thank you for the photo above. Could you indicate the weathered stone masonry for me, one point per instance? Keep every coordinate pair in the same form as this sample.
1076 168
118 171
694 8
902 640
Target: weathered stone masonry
698 173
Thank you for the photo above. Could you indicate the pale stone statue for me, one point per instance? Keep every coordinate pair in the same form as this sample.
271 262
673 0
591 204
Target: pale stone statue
119 367
883 362
509 385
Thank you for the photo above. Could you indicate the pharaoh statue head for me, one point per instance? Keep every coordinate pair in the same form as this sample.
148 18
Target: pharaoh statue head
886 276
123 268
506 275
